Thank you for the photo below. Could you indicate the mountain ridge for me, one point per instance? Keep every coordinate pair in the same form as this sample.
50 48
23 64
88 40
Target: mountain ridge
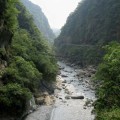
92 23
40 19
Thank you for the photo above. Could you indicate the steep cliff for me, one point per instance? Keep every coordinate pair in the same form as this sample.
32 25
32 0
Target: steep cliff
40 19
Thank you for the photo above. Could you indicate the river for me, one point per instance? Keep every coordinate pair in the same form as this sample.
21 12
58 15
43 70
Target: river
66 108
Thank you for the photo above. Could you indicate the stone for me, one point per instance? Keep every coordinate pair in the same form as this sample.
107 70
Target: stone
67 97
67 91
63 87
40 100
48 100
64 75
88 102
61 68
77 97
60 98
45 94
71 80
64 81
59 88
63 84
86 81
64 101
59 73
89 75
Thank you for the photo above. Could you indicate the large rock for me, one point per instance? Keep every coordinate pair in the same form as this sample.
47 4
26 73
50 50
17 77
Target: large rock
40 100
61 68
45 94
59 88
48 100
64 81
77 97
88 102
64 75
59 72
67 97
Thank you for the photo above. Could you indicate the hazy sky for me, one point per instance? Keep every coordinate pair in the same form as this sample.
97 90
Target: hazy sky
57 11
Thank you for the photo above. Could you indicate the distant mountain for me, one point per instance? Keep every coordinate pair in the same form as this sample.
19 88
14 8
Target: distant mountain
92 25
40 19
56 31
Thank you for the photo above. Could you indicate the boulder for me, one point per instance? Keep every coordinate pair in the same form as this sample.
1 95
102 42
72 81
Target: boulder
45 94
59 72
59 88
88 102
71 80
77 97
48 100
64 75
60 98
64 101
63 84
67 97
84 107
40 100
64 81
61 68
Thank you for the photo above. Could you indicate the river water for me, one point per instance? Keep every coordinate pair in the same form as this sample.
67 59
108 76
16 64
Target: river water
68 109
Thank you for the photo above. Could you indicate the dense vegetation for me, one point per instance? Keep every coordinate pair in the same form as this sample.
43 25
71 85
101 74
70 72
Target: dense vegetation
40 19
108 93
93 24
24 58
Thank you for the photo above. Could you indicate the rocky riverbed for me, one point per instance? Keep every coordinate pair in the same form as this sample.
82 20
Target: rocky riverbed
74 95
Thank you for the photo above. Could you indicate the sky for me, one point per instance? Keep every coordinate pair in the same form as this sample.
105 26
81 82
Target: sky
57 11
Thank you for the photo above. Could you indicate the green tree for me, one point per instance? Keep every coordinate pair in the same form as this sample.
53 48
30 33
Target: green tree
13 99
109 76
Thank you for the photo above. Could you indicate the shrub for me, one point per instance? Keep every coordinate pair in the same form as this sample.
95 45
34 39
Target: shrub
13 99
23 73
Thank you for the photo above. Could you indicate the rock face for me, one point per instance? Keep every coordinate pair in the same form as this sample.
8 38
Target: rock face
40 19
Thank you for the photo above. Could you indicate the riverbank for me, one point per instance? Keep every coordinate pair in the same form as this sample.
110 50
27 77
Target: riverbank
73 97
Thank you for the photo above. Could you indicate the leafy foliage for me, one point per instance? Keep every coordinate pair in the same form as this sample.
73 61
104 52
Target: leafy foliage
112 114
13 98
7 11
23 73
29 62
109 75
8 22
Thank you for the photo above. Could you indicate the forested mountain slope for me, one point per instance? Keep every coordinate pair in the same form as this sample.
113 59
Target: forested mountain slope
93 24
24 59
40 19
